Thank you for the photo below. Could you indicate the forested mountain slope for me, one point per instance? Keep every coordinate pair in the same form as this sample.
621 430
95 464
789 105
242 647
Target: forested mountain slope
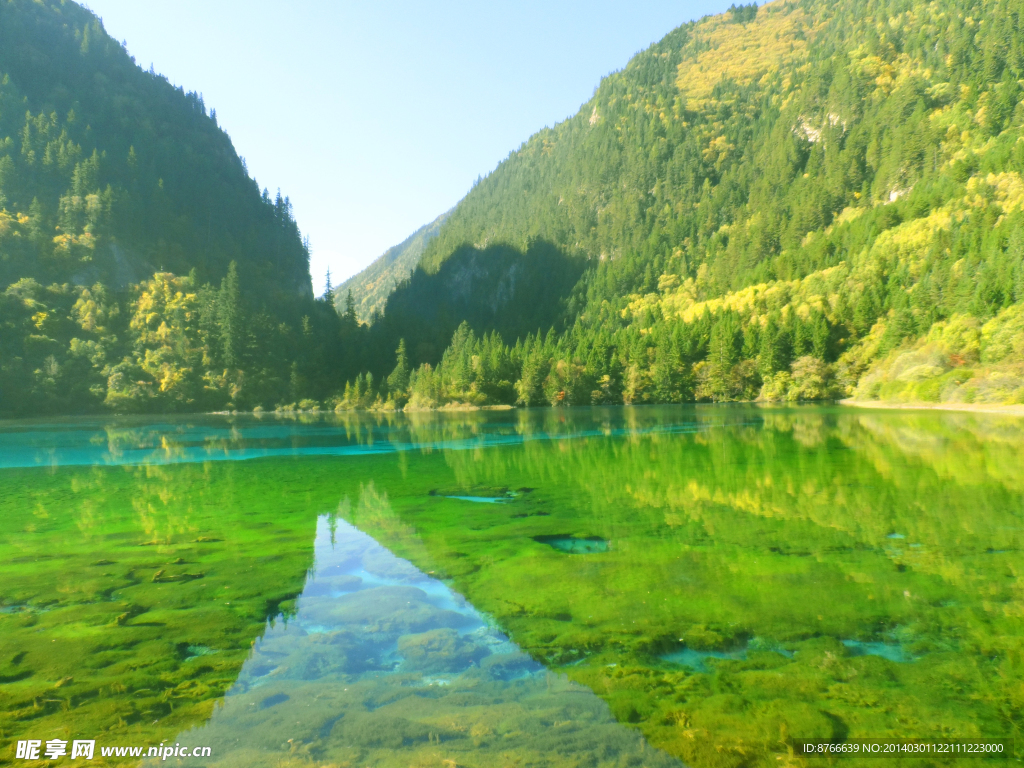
775 202
123 206
371 287
107 170
803 200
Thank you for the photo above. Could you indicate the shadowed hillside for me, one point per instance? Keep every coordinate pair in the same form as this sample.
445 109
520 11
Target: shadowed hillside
497 288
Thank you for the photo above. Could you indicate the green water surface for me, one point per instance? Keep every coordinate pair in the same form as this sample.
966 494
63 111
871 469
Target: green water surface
582 587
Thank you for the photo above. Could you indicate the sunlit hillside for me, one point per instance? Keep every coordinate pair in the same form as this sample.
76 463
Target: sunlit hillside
776 202
371 287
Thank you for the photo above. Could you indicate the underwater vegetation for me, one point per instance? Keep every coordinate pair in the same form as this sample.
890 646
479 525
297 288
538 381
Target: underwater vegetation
809 573
383 665
725 579
130 596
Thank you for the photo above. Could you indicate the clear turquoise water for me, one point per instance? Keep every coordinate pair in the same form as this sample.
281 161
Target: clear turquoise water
144 441
607 586
380 658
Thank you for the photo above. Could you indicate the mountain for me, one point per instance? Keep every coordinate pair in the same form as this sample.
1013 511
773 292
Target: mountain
803 200
371 287
107 171
141 268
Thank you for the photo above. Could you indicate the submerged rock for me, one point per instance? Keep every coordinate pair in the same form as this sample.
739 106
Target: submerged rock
508 666
398 610
573 545
270 701
438 650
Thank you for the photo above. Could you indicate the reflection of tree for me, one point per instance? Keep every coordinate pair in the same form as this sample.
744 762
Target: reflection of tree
155 579
778 525
790 468
964 448
373 514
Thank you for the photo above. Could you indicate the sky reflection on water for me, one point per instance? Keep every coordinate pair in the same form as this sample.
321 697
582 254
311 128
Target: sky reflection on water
385 665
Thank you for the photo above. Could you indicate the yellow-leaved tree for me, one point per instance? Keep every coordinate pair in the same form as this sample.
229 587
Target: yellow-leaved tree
164 369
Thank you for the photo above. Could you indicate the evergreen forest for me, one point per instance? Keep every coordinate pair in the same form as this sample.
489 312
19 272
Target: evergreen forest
141 268
799 201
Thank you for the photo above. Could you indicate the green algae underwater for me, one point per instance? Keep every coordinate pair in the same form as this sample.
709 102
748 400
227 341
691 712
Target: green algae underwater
725 580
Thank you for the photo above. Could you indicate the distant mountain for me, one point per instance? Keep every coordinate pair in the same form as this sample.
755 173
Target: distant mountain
800 200
371 287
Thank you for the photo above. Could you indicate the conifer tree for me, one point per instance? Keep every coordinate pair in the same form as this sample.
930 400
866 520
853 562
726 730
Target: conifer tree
350 310
528 387
722 355
329 290
230 317
398 381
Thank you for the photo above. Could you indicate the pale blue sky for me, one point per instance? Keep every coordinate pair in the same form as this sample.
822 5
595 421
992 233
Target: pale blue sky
375 117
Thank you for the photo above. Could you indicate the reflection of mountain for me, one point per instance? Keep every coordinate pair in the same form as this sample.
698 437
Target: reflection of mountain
812 560
768 573
382 665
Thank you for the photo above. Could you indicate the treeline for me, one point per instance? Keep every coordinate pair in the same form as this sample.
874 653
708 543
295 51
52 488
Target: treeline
168 344
812 338
715 358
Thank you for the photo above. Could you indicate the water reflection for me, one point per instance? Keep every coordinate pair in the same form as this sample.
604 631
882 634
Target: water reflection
382 664
118 441
725 579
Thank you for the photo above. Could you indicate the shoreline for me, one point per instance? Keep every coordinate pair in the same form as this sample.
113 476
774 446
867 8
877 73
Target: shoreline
447 408
1006 410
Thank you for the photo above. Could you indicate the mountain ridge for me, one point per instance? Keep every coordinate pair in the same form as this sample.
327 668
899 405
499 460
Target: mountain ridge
372 285
90 122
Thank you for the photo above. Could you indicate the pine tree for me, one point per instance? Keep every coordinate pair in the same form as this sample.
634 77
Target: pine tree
722 355
398 381
329 290
820 337
350 310
359 391
230 317
528 388
665 375
370 393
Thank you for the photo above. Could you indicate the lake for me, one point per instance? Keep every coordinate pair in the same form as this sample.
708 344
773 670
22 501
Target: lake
641 586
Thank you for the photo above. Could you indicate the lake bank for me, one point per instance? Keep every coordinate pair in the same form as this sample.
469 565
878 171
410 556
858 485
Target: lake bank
1006 410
